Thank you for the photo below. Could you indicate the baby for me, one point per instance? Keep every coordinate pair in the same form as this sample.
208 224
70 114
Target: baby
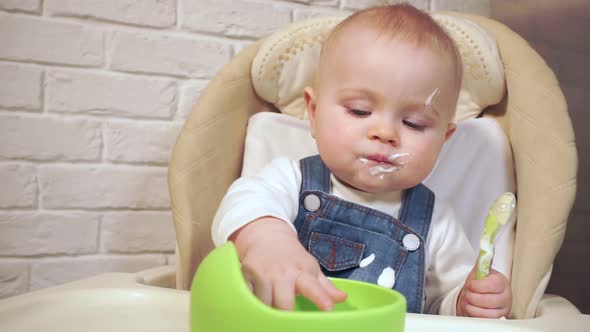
380 109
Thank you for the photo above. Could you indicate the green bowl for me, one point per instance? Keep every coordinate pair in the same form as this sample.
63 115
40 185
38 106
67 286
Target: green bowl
222 302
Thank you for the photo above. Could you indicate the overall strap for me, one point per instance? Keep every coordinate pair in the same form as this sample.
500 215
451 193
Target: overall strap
417 207
315 176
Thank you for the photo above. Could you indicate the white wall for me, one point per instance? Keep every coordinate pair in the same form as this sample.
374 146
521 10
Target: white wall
92 96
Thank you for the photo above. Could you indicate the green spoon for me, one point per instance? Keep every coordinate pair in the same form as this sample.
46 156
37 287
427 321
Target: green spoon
498 215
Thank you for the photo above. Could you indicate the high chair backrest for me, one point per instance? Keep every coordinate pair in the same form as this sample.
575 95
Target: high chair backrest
208 156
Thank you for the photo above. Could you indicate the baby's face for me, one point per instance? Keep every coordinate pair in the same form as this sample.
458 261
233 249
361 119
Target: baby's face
378 97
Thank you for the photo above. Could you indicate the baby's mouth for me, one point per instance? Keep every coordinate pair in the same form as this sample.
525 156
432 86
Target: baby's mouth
396 159
381 159
385 164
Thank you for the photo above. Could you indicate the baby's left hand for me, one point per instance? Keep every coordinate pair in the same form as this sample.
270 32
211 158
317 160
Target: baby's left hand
490 297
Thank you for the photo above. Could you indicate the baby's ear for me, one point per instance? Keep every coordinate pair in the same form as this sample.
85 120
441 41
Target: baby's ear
451 128
310 104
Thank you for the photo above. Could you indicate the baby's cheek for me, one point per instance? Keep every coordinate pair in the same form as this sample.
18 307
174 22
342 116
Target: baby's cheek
335 149
422 161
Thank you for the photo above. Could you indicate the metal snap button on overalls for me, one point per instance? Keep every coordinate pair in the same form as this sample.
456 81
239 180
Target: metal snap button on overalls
411 242
312 203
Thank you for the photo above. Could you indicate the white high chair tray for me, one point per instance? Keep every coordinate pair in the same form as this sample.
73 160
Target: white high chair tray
139 302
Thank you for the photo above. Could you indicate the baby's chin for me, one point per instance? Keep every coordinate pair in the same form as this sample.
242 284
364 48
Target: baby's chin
376 188
373 184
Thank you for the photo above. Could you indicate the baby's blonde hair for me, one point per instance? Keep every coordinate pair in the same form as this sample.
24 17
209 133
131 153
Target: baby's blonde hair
407 23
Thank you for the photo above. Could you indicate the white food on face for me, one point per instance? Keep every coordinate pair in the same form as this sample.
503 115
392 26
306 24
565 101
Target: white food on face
395 156
428 101
387 168
382 169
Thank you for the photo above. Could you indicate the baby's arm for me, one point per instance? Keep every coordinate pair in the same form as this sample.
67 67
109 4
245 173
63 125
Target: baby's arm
274 191
278 267
256 215
449 260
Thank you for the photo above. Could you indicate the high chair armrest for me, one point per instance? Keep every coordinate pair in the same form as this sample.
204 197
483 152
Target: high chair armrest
555 313
161 276
554 305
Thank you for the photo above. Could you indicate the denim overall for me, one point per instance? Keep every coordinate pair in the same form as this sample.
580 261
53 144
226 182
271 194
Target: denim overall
339 234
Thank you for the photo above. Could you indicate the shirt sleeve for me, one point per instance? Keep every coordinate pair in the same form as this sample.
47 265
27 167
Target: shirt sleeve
450 261
274 191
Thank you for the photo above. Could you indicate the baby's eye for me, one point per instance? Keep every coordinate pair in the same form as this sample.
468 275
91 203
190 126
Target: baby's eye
413 125
359 113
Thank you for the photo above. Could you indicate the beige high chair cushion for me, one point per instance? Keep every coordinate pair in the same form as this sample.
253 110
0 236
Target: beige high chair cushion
207 158
287 60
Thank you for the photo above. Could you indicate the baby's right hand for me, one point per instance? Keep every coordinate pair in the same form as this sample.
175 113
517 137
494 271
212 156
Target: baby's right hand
278 267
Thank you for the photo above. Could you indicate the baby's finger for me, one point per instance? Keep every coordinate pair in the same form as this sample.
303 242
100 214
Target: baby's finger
336 294
310 287
474 311
283 295
492 284
485 301
258 285
249 278
263 291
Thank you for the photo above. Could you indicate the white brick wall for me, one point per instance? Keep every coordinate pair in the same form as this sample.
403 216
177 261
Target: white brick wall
21 5
113 94
92 96
24 90
64 186
151 13
38 39
19 186
40 233
49 138
128 232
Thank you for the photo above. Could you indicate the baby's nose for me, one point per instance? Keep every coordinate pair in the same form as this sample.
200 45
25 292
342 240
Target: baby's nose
386 133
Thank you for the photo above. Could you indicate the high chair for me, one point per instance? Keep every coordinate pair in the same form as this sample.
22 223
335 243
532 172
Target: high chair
209 156
532 111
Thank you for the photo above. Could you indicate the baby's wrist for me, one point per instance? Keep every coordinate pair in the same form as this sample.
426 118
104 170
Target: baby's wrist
256 232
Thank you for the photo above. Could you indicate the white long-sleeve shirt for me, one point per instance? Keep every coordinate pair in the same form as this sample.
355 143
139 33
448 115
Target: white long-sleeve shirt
274 191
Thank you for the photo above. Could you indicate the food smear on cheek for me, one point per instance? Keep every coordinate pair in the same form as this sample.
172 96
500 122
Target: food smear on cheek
400 159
